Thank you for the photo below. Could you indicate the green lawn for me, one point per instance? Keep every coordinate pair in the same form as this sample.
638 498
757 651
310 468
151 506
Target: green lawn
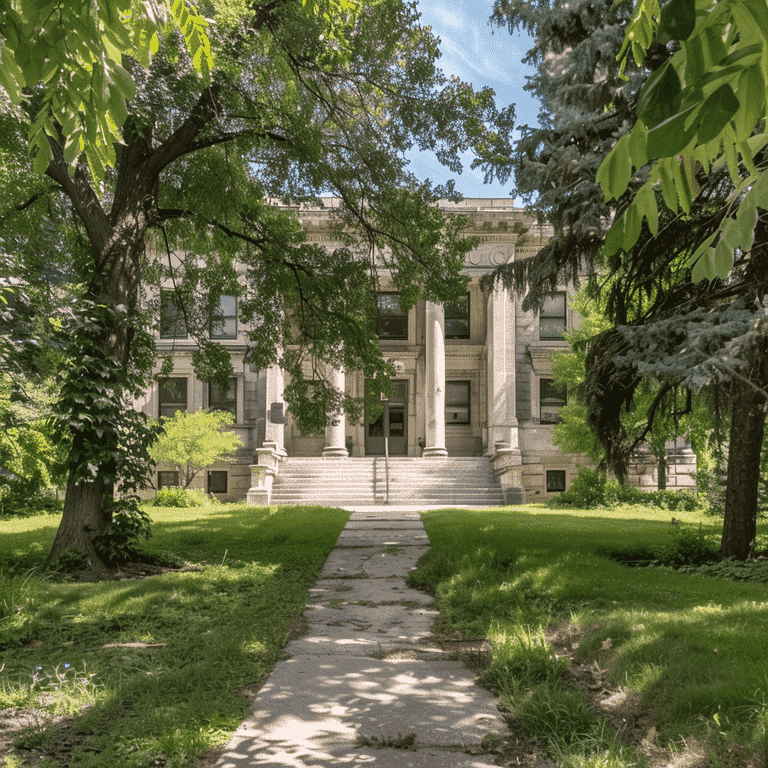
150 671
684 655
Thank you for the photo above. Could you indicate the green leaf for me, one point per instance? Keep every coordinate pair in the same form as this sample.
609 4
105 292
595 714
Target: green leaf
636 145
668 191
42 157
614 238
716 112
752 103
703 261
658 97
678 20
615 171
702 52
123 81
646 198
633 223
672 136
723 259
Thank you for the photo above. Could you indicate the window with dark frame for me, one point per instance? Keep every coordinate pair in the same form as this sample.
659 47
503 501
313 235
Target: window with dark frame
224 325
217 481
552 320
552 396
172 396
172 322
555 480
391 321
167 479
457 319
457 402
223 400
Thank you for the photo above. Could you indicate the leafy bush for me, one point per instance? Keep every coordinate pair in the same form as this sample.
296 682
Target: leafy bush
179 497
687 546
26 505
118 543
592 489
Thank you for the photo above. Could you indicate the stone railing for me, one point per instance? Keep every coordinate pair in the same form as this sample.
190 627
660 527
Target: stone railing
263 475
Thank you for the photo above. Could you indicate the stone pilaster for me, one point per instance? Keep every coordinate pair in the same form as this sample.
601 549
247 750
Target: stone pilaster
274 433
502 417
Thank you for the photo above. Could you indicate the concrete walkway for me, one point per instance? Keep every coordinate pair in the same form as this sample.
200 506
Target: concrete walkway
365 678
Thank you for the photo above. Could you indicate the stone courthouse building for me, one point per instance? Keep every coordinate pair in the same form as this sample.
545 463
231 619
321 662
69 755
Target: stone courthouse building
473 381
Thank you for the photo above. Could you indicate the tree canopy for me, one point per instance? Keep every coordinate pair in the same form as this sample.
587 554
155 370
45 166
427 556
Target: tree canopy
72 53
192 441
305 98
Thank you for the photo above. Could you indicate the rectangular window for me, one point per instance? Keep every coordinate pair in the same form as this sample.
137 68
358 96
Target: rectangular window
552 396
167 479
555 480
217 481
456 402
173 396
224 325
552 320
223 400
391 321
457 319
172 323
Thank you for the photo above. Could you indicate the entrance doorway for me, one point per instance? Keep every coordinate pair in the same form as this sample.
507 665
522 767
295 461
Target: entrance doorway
397 432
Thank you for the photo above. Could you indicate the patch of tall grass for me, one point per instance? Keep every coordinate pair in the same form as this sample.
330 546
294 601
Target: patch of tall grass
685 648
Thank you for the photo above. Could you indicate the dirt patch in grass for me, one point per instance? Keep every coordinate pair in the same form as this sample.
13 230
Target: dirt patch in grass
34 735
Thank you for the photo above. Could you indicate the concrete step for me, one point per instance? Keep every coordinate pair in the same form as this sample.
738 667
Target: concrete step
363 481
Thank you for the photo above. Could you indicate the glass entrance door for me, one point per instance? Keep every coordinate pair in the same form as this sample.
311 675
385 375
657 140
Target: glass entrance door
395 427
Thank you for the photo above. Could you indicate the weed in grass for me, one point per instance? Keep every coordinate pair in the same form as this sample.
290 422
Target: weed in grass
521 657
554 715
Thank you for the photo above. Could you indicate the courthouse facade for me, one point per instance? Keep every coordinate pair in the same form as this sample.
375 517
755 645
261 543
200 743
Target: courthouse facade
473 377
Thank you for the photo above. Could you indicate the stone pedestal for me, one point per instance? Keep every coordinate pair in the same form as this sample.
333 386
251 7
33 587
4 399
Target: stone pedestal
508 468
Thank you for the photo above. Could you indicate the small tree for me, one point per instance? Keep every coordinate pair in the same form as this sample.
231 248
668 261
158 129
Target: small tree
192 441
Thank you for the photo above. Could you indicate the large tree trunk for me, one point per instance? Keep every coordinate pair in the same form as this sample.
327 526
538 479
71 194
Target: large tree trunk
83 519
746 440
117 242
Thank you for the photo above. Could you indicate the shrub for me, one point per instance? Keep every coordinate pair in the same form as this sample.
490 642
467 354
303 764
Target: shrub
179 497
591 489
687 546
43 501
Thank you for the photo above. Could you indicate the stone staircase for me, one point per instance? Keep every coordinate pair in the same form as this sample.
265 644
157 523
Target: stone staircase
452 481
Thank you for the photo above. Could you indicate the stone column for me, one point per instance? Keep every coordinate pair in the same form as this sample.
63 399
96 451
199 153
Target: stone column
502 407
434 385
274 433
335 432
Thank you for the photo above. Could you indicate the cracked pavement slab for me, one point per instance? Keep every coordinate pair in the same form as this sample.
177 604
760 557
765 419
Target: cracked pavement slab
363 678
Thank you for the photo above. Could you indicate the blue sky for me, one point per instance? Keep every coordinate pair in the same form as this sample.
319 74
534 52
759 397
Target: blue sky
482 54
